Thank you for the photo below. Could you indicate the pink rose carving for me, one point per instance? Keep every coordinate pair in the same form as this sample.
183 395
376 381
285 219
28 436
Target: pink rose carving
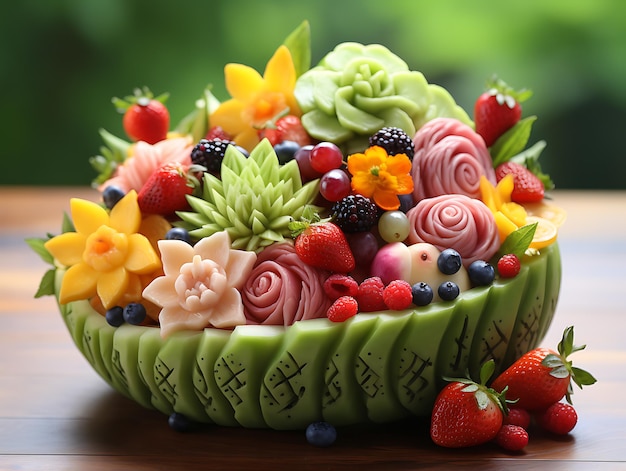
282 289
449 158
455 221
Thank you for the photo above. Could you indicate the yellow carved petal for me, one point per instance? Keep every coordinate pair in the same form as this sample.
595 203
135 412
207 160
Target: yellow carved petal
125 216
67 248
87 216
142 258
79 282
111 286
229 116
247 139
242 81
280 73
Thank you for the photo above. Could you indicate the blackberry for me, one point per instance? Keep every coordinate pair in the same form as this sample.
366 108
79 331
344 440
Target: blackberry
209 153
394 141
355 213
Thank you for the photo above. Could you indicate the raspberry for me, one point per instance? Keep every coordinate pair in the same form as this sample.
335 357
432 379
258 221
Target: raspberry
512 437
398 295
509 266
560 418
370 295
355 213
337 285
517 416
394 141
210 153
342 309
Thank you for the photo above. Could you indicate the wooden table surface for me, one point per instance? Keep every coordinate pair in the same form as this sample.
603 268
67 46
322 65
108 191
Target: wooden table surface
56 413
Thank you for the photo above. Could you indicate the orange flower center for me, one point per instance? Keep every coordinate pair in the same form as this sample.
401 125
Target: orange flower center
105 249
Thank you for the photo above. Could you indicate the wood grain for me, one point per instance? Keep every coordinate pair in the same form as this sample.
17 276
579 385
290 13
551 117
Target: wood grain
56 413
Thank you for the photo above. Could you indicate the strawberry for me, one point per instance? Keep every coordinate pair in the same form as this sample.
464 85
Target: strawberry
560 418
467 413
498 110
527 187
541 377
285 128
322 245
512 437
166 190
145 118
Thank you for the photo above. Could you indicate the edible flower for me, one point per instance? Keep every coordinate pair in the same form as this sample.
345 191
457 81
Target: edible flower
509 215
255 99
106 255
201 284
380 176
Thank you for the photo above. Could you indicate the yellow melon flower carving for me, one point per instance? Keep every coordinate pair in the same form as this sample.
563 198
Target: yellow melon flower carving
106 254
255 99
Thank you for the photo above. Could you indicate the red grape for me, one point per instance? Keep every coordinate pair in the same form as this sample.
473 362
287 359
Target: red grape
326 156
335 185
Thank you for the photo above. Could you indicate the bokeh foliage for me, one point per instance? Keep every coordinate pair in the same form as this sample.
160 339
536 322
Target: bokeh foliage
63 60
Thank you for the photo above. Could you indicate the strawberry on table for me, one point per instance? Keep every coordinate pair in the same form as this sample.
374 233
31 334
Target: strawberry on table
542 376
467 413
498 110
527 187
166 190
146 118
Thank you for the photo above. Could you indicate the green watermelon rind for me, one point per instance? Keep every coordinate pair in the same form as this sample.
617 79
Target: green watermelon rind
374 367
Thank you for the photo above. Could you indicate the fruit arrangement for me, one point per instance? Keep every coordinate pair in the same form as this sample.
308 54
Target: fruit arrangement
348 221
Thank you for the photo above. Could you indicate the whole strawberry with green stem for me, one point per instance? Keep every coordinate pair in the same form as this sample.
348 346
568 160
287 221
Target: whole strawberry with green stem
146 118
467 413
542 376
498 109
322 244
166 190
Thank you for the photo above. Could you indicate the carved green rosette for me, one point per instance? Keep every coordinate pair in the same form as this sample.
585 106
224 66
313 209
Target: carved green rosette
254 199
357 89
375 367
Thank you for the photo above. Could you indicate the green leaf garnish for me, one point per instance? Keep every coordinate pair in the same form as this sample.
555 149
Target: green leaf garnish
37 245
299 44
513 141
46 286
518 241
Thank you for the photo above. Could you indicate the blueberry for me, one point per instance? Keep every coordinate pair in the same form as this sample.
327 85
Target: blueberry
245 153
422 294
134 313
115 316
448 290
178 233
321 434
449 262
481 273
180 422
286 150
406 202
111 195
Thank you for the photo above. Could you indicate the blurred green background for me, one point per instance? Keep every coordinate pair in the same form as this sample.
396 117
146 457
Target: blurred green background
62 61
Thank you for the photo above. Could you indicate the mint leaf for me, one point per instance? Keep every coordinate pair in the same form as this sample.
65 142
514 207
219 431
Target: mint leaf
46 286
513 141
37 245
299 44
518 241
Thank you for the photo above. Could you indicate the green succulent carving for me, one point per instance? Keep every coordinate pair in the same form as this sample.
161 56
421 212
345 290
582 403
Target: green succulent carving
357 89
254 200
